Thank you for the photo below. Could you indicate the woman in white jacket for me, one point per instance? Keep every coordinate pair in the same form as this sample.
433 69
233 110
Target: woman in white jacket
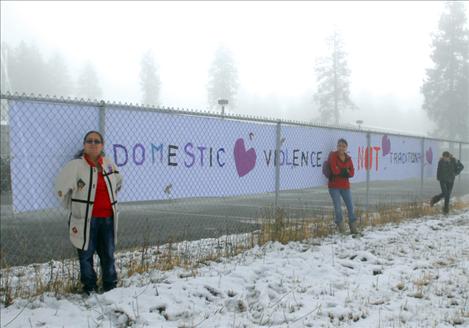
87 186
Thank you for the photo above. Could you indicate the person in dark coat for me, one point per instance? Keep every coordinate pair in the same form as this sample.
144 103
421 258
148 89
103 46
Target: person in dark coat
448 168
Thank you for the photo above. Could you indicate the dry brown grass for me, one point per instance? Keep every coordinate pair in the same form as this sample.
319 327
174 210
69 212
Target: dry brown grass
390 214
61 279
275 225
170 257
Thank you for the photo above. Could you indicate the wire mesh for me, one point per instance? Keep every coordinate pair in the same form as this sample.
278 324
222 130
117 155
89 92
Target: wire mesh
191 175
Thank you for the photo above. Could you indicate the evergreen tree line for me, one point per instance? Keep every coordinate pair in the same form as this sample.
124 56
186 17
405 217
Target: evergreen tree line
25 70
445 87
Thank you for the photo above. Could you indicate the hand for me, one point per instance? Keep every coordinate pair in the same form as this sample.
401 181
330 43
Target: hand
344 173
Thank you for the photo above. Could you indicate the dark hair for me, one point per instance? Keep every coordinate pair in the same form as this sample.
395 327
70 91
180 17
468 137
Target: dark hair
92 131
446 154
80 153
342 140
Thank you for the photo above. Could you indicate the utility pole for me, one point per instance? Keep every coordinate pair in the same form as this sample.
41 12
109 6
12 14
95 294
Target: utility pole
222 103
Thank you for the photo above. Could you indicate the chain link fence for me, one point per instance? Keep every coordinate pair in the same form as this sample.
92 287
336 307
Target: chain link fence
192 175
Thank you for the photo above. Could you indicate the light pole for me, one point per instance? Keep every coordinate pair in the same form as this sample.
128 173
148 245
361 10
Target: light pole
222 103
359 122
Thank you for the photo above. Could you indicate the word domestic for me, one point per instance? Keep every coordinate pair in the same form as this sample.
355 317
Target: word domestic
173 155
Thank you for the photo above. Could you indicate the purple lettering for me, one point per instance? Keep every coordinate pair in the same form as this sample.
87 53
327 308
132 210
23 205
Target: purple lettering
154 149
188 150
115 147
134 151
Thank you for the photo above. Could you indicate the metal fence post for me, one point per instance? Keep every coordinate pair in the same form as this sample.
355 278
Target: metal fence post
459 177
277 163
367 168
102 118
422 166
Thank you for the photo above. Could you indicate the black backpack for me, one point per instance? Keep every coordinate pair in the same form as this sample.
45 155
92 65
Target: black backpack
326 168
459 167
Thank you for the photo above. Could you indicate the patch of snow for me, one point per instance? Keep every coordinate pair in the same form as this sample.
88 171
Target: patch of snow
412 275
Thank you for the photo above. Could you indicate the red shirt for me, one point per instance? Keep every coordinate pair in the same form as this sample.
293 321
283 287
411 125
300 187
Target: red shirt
102 207
337 165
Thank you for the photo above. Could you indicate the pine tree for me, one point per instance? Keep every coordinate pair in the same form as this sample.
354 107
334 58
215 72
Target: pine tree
332 74
149 80
5 84
27 70
59 82
446 87
88 84
223 79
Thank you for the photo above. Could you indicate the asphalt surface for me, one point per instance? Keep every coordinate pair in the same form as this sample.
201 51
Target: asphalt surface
42 235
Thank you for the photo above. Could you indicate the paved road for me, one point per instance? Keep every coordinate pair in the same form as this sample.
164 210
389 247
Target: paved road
42 235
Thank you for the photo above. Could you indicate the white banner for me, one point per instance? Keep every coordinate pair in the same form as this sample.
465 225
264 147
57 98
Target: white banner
168 156
304 151
43 137
165 156
396 158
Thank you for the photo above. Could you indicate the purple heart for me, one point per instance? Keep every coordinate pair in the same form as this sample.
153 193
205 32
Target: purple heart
386 145
244 160
429 155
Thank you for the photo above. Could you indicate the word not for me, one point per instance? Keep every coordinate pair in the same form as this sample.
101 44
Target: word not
173 155
295 158
403 158
365 157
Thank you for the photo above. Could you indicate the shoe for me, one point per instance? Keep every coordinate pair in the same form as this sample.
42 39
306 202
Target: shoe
353 228
86 291
341 227
108 288
432 201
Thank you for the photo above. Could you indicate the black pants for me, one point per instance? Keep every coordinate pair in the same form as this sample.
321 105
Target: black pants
446 188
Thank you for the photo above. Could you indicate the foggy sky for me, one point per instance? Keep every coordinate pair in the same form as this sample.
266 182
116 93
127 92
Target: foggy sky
275 46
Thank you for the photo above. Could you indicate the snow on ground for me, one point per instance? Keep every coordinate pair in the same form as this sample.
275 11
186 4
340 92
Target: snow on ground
412 275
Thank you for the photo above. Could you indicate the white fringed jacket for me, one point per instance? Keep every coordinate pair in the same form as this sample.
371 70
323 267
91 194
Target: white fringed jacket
76 189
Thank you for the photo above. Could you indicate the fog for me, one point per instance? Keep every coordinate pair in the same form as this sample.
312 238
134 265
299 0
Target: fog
274 44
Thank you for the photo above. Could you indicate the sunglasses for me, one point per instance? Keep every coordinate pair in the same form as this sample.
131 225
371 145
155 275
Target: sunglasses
93 141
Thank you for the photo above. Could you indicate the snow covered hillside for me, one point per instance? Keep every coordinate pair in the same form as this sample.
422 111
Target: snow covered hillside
412 275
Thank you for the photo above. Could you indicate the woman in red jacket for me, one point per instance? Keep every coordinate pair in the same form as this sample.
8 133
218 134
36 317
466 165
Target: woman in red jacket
341 166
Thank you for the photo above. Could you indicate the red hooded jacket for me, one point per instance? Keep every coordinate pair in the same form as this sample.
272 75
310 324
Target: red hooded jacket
338 169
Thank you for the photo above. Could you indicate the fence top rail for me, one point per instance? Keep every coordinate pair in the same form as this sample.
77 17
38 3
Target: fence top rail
206 113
